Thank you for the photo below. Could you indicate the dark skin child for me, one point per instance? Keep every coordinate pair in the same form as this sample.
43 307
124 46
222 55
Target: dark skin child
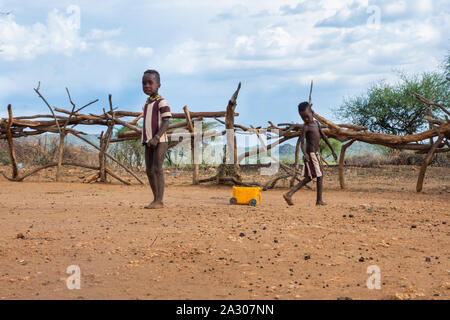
312 133
155 150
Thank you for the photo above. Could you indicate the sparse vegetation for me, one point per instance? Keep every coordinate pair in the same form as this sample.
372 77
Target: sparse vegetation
44 150
392 108
130 152
325 150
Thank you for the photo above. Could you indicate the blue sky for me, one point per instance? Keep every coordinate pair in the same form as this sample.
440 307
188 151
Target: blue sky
204 48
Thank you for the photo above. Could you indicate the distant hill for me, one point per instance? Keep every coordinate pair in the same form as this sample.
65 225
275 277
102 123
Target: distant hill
78 142
286 151
70 139
361 148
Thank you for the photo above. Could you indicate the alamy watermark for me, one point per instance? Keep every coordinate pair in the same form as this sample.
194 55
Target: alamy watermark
74 280
374 20
211 147
374 281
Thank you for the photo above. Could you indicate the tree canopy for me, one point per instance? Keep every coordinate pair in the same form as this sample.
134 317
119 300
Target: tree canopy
392 108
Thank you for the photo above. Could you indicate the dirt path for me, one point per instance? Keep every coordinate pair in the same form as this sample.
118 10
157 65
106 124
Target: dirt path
200 247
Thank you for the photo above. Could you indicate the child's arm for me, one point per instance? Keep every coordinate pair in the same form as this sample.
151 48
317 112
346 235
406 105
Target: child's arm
163 128
324 137
302 144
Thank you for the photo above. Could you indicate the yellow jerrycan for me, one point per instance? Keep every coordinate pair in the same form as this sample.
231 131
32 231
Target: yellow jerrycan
246 195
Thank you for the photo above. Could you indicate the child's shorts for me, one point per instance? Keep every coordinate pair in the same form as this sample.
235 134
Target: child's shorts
312 168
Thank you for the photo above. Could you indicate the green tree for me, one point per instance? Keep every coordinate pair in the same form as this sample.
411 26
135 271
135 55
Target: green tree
392 108
129 152
447 66
325 150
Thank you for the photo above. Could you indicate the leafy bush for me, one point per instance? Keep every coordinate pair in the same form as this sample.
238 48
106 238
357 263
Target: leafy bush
4 153
325 150
392 108
129 152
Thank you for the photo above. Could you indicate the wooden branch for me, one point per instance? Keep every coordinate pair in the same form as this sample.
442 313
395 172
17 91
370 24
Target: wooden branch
12 154
112 174
133 135
229 116
310 93
111 157
86 105
188 119
81 116
195 171
426 162
238 182
380 138
135 121
434 121
45 101
37 116
271 183
426 101
91 178
352 126
125 124
341 168
253 152
213 114
105 141
54 164
62 136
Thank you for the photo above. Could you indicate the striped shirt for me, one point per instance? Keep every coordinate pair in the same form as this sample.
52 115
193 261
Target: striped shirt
153 114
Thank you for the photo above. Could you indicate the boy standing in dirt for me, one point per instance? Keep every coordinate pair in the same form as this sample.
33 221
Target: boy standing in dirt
311 167
154 137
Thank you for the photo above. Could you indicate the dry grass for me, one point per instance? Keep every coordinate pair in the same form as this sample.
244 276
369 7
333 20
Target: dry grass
34 151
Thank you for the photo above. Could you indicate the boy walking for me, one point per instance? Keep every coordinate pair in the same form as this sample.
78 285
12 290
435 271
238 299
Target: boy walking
154 137
312 167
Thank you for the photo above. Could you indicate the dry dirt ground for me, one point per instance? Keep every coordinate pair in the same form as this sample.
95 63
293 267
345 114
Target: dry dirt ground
200 247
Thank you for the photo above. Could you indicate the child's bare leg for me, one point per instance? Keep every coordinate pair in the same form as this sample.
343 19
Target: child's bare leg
319 201
158 161
288 196
149 170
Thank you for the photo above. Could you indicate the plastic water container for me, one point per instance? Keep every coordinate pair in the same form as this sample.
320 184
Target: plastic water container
246 195
19 166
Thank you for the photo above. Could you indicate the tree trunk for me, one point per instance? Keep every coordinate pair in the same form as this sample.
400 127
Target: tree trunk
227 168
62 137
12 154
342 162
194 158
426 162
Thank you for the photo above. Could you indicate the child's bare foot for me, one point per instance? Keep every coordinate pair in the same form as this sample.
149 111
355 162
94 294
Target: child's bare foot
288 199
158 205
155 205
150 206
320 203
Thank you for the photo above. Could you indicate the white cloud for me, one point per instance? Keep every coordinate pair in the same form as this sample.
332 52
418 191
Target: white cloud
144 51
269 42
395 8
60 34
96 34
215 41
114 48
